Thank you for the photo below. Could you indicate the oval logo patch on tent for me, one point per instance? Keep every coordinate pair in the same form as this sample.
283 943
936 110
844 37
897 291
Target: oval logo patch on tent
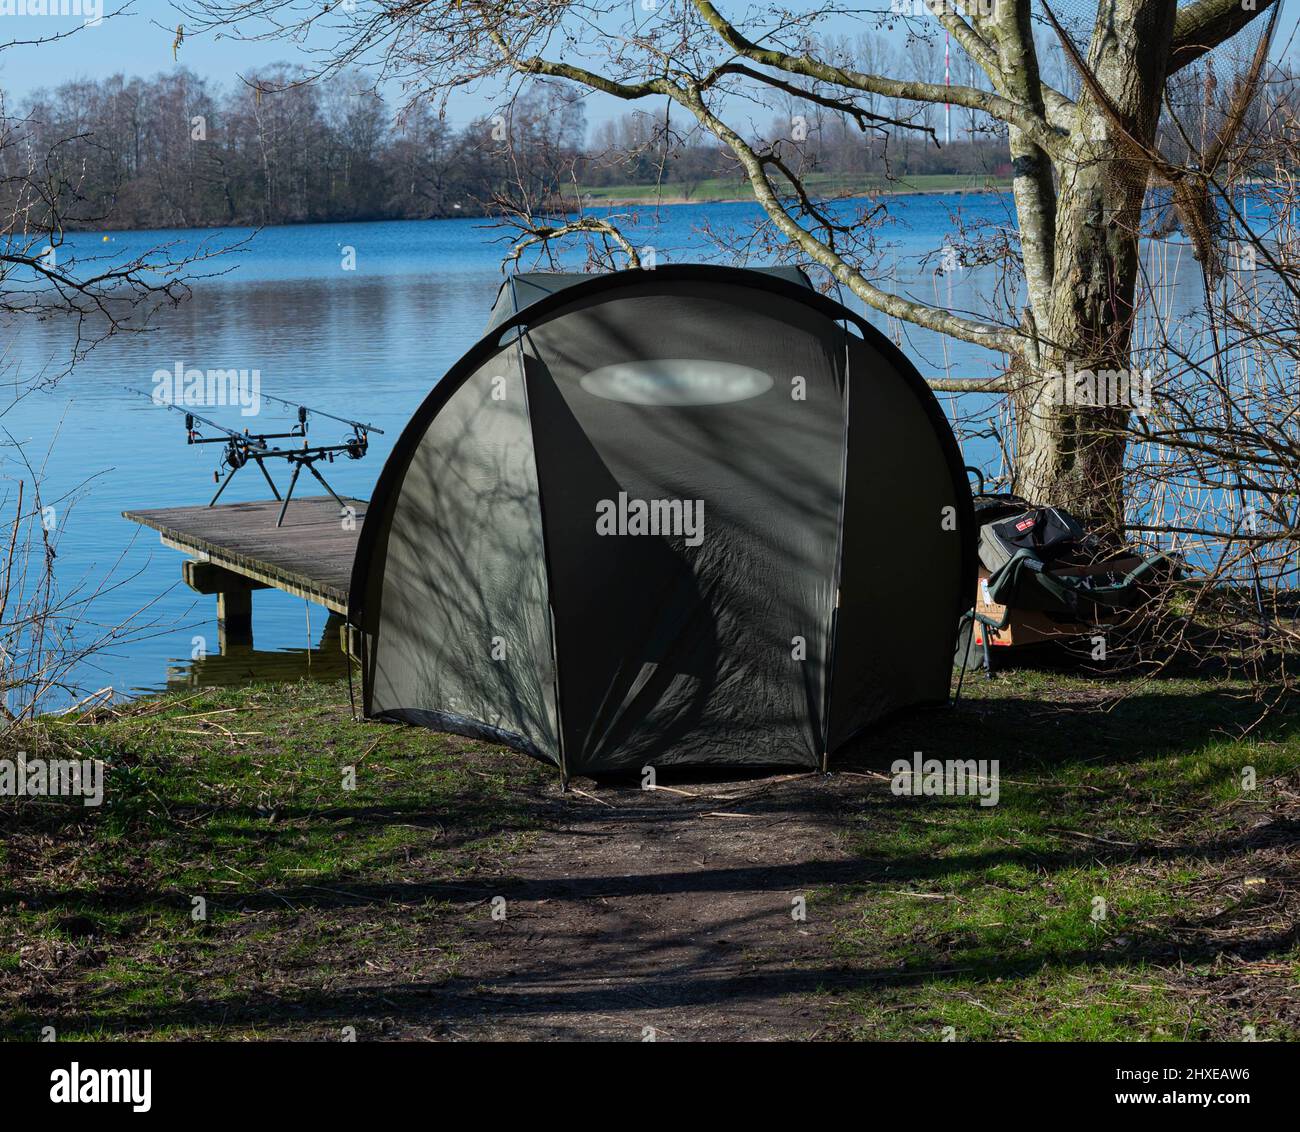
677 381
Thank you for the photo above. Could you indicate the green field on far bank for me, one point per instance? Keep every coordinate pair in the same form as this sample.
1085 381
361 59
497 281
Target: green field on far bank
820 184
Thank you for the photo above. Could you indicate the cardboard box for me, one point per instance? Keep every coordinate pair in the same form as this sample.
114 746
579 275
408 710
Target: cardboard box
1033 626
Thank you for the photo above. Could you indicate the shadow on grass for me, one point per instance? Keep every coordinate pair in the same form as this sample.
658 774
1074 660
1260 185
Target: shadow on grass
655 975
669 970
1087 727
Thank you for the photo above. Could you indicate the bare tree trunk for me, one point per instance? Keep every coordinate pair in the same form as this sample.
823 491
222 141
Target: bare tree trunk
1068 454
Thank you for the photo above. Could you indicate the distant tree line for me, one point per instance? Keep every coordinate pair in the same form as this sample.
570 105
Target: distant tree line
179 151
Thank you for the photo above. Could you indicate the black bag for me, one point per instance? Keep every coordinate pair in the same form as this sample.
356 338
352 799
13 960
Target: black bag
1050 535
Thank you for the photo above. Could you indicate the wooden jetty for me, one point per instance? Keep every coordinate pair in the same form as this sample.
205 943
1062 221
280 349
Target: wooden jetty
236 548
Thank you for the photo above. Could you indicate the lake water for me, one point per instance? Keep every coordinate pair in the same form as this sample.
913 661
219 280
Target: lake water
367 343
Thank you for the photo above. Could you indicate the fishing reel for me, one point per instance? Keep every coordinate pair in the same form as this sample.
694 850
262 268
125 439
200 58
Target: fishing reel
234 456
356 445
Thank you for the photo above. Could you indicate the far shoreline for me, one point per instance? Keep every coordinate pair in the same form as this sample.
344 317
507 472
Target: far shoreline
590 205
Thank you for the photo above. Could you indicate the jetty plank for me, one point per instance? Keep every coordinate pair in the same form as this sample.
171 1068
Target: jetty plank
310 556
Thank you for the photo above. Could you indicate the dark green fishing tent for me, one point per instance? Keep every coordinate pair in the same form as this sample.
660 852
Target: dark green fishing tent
693 515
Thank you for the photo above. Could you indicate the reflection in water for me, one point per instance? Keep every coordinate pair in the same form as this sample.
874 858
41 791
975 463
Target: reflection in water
244 664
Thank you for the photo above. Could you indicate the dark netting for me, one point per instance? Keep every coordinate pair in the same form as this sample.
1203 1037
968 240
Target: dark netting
1204 113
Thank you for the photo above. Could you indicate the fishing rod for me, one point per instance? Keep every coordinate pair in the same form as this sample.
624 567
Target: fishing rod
355 445
193 435
242 448
302 409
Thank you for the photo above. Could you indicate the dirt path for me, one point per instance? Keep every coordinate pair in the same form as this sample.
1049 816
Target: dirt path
659 914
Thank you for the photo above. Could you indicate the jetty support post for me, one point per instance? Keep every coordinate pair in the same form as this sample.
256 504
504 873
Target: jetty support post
234 600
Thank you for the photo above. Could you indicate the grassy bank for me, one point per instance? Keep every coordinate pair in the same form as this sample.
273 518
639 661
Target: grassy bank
1125 886
239 797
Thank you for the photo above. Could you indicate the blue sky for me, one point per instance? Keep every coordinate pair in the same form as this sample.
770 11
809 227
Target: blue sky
136 40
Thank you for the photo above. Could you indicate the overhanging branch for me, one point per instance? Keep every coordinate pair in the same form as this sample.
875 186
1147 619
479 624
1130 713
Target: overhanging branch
970 384
689 95
1201 26
1034 126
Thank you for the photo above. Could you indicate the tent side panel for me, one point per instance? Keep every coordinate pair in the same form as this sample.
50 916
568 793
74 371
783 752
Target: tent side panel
903 578
463 638
692 646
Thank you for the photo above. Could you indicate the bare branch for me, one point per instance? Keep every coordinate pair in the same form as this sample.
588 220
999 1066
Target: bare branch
1034 125
864 118
544 233
999 384
945 322
1201 26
